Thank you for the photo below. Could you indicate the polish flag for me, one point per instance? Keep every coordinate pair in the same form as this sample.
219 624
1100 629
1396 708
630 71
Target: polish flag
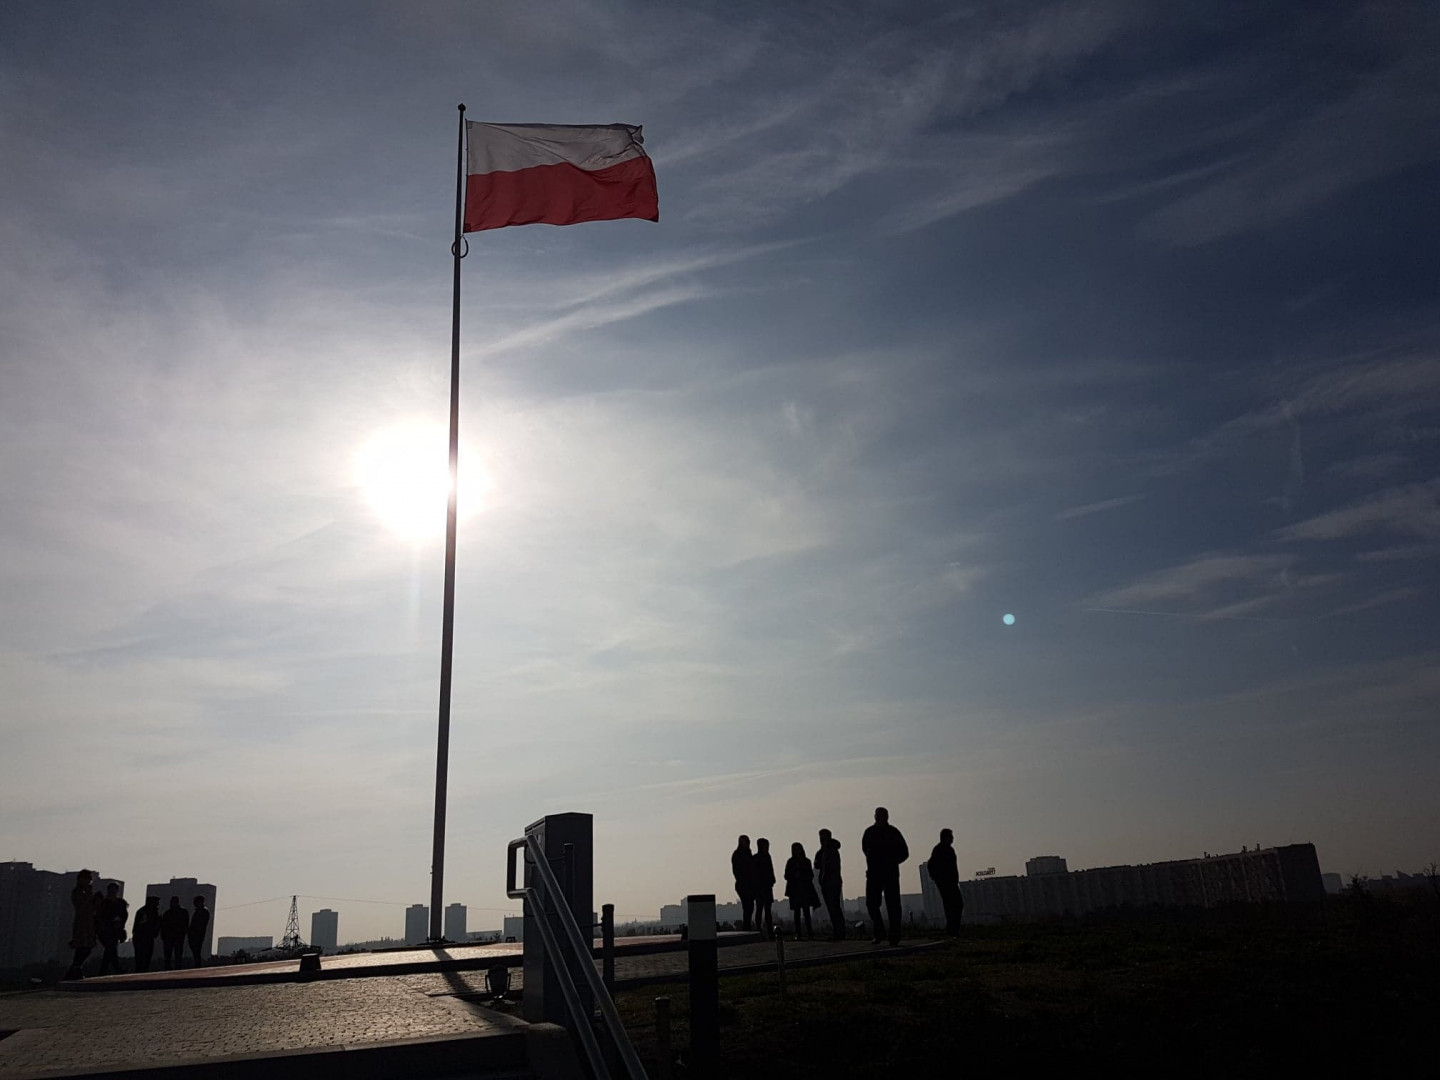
556 174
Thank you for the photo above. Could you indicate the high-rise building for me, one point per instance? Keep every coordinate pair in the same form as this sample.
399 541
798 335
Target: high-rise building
325 929
417 924
35 912
455 922
186 888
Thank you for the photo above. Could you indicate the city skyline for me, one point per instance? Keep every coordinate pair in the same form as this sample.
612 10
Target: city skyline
1021 417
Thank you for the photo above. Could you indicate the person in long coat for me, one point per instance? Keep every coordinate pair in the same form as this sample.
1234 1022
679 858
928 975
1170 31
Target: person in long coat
827 869
145 931
742 869
199 923
764 888
946 875
800 888
83 901
174 925
110 927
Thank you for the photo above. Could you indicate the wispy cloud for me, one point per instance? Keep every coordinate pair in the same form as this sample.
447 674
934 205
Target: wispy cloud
1410 510
1100 507
1198 580
1309 155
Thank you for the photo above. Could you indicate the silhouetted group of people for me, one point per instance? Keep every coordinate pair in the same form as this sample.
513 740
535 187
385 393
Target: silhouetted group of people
101 919
884 849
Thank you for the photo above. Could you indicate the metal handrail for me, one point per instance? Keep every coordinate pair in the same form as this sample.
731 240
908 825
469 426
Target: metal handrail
583 954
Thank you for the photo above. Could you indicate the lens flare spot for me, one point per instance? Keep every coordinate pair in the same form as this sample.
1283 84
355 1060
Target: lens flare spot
1008 619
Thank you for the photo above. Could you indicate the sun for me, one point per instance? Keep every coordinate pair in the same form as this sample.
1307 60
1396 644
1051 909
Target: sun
404 473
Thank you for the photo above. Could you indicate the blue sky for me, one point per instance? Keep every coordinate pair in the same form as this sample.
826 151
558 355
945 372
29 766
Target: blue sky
1117 319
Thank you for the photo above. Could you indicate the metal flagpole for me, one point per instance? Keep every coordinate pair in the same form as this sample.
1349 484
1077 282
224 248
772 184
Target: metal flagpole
447 634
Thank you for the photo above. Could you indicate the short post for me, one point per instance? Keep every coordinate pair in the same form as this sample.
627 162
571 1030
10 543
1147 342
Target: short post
704 985
664 1053
607 947
780 959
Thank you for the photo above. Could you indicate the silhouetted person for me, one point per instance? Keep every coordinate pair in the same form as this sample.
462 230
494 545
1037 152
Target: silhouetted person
742 866
800 888
145 931
173 926
827 868
83 903
764 888
884 850
946 876
110 927
199 923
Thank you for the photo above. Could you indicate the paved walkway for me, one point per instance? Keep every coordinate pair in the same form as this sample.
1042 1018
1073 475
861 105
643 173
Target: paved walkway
61 1033
288 1028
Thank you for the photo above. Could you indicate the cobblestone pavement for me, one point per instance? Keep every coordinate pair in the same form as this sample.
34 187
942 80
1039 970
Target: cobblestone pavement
60 1030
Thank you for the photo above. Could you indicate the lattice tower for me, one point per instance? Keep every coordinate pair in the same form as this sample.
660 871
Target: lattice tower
292 939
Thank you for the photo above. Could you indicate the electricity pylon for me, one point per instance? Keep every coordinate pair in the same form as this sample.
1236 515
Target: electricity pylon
292 939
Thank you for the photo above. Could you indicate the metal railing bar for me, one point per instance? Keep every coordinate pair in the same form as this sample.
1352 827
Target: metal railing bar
583 955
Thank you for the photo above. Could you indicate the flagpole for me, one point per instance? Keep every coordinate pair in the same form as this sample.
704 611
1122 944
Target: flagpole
447 634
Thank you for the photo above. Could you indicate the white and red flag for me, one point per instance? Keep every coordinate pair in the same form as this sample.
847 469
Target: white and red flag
556 174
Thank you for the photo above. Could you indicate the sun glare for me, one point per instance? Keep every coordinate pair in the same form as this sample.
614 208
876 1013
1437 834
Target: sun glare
404 473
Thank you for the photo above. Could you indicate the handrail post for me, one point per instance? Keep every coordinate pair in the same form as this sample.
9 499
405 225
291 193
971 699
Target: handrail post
664 1055
704 985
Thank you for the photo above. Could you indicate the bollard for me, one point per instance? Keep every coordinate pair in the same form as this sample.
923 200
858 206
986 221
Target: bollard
664 1054
607 947
704 986
780 960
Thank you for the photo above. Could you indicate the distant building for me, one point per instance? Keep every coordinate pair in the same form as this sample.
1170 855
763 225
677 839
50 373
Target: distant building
417 924
513 928
374 944
229 946
455 922
186 888
1334 883
35 912
674 914
325 929
1398 882
1289 873
1045 864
